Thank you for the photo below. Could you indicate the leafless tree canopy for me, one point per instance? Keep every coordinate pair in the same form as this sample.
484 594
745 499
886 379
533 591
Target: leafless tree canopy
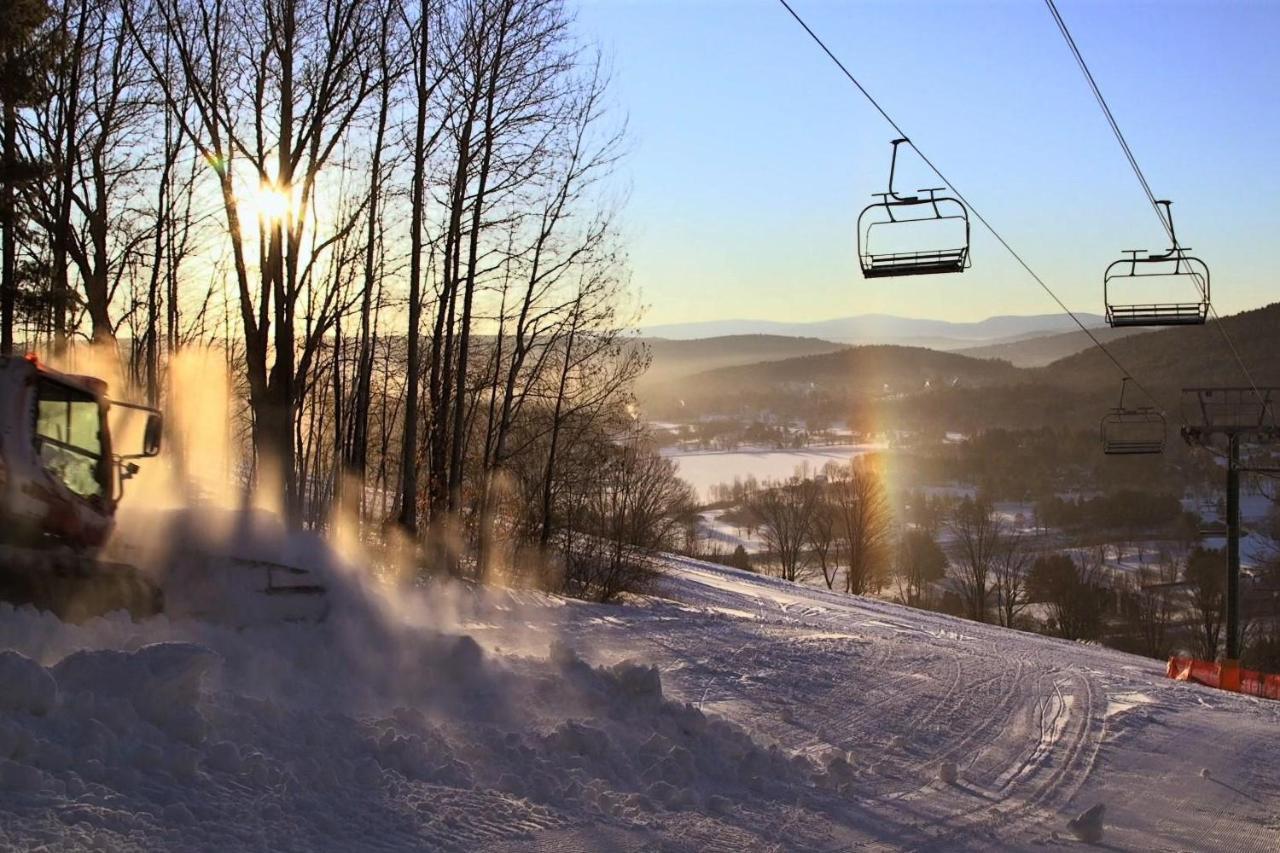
978 537
784 511
394 218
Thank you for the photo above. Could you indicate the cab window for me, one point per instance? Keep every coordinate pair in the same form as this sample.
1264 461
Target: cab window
69 437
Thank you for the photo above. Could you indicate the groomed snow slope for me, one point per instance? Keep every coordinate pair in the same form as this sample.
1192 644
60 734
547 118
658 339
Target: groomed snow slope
755 715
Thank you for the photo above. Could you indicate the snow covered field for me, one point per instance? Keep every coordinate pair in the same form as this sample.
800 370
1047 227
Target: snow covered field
754 715
706 468
726 536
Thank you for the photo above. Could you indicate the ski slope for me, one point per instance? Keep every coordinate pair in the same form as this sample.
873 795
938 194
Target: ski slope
730 712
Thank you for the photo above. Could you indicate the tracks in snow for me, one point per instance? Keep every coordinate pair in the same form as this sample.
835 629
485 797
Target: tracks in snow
901 700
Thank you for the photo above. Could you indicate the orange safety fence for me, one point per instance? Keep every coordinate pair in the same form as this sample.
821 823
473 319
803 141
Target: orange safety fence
1225 676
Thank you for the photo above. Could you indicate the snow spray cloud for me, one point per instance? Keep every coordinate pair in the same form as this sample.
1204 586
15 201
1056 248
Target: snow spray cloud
386 633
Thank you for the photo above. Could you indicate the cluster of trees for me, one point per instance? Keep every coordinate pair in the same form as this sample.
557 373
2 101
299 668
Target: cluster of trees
965 558
394 219
841 523
1123 509
1039 466
730 434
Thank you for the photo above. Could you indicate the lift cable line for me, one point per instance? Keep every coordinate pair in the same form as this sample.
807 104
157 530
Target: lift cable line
961 197
1166 222
1111 119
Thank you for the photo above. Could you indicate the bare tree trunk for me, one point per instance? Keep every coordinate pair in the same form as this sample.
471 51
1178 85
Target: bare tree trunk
409 445
458 444
8 233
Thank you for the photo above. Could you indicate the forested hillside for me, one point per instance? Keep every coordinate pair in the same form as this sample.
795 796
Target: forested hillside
914 388
677 359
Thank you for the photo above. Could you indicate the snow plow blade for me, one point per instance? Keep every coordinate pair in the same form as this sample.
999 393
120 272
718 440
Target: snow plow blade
243 591
238 567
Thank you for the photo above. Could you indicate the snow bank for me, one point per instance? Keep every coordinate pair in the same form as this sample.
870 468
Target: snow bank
25 686
179 734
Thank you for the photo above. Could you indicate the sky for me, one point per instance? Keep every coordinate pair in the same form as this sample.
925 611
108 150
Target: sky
751 155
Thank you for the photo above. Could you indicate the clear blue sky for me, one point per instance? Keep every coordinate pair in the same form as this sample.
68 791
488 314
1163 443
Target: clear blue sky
752 156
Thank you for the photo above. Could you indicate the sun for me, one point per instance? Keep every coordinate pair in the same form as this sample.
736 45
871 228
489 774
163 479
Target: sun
272 202
266 205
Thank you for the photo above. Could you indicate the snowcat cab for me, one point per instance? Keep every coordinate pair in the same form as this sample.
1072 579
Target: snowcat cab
1132 432
63 464
912 235
1167 289
61 480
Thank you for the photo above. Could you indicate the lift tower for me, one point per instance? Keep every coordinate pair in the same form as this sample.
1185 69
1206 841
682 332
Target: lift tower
1230 416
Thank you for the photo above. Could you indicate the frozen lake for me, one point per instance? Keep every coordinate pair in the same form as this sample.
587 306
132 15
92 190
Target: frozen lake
704 469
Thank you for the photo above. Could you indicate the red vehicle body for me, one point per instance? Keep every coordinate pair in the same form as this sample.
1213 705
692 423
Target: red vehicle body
61 480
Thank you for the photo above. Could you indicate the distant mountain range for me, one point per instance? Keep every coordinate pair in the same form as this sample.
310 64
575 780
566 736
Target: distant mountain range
872 370
957 388
885 329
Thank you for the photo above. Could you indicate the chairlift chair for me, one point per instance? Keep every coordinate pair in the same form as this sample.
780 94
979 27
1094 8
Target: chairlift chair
1143 268
1132 431
896 215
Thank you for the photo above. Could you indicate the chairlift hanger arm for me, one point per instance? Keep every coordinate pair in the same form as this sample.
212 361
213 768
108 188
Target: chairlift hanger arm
893 163
1168 216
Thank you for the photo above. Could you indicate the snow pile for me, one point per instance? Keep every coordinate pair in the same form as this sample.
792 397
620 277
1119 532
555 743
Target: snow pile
638 750
25 686
173 734
101 725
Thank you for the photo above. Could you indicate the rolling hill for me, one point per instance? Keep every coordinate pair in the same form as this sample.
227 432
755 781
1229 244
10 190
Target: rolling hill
972 393
1171 359
884 329
1042 350
846 377
676 359
872 370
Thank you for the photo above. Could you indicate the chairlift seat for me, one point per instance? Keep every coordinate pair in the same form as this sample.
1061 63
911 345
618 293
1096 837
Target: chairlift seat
1132 447
914 263
1170 314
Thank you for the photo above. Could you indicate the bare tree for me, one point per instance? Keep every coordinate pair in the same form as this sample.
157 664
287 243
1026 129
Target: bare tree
629 504
423 89
977 538
286 114
1071 588
1010 579
1206 578
920 562
864 524
784 510
823 541
438 167
1149 605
